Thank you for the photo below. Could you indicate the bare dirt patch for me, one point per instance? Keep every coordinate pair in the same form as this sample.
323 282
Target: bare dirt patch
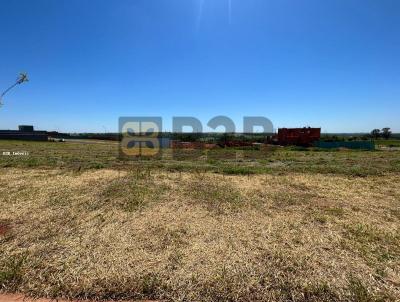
5 227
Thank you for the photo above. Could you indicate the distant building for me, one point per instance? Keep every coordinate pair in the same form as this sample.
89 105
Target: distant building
25 128
298 136
24 133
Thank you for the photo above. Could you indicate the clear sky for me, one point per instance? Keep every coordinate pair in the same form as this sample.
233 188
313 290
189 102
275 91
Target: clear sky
333 64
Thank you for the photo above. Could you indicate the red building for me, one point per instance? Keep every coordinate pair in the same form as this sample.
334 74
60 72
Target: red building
298 136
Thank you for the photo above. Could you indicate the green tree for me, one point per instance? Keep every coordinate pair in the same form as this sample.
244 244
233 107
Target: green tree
386 133
376 133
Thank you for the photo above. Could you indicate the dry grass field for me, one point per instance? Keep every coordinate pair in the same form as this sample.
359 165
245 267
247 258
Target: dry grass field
292 232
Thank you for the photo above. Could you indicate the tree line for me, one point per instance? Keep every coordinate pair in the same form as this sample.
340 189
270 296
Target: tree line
384 133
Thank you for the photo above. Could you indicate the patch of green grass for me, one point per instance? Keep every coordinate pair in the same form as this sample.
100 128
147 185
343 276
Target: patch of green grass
319 292
96 165
11 272
388 142
360 293
237 170
367 233
216 197
338 212
170 237
322 219
132 192
372 243
288 199
395 213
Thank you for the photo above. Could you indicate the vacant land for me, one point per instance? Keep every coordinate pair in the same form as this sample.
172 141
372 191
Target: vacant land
296 225
81 156
388 142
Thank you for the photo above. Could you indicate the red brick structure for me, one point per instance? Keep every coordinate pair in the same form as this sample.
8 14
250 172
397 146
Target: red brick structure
298 136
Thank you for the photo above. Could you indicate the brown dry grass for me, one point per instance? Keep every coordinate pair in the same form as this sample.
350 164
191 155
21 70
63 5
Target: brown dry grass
200 236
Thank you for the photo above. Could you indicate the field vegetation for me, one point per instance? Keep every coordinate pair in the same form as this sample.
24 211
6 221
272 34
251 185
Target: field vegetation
293 224
85 155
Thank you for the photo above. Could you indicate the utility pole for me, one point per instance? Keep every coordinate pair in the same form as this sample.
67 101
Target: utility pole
23 77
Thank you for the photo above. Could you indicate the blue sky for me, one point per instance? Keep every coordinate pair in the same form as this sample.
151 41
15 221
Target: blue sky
333 64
